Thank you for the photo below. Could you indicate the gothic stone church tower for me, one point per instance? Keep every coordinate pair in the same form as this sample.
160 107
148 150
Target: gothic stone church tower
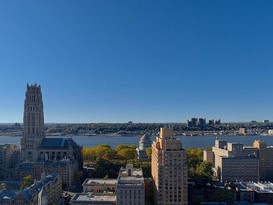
33 123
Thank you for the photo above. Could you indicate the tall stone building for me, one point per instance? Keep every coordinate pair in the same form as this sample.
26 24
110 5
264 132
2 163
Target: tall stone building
169 170
33 123
40 154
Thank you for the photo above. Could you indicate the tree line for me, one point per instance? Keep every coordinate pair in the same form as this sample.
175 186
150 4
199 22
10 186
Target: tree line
107 161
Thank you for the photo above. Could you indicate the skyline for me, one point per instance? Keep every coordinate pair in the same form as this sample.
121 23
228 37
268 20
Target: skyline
104 61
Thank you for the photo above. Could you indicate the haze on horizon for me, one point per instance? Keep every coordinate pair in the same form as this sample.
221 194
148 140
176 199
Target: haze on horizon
119 61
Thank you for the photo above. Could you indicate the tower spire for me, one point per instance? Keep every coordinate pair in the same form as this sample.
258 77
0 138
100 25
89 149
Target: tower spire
33 132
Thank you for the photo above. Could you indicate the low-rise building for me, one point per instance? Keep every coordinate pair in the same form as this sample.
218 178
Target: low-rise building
263 191
67 170
243 193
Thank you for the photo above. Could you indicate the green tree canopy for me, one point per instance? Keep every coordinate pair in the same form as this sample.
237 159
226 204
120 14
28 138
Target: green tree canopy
121 146
204 170
127 153
105 152
89 153
133 146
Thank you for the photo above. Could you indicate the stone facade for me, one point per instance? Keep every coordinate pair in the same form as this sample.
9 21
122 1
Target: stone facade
40 154
9 157
233 163
130 186
33 132
169 170
265 154
144 143
99 185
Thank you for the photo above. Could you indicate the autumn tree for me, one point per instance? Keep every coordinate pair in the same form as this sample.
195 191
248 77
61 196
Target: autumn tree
127 153
196 166
105 151
204 169
27 181
89 153
120 147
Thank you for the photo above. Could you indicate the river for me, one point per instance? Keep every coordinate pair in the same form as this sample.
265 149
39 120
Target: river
187 141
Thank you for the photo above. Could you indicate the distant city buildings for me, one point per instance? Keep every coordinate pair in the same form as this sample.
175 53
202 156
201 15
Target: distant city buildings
214 122
197 122
169 170
270 132
242 131
17 126
201 122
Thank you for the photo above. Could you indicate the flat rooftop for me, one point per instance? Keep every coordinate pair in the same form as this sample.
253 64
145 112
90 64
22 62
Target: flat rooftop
260 187
82 197
90 181
135 177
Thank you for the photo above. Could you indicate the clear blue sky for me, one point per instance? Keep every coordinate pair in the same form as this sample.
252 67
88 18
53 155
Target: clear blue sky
145 61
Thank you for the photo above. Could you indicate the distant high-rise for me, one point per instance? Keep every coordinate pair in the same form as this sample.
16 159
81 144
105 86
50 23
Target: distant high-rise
197 122
214 122
33 123
169 170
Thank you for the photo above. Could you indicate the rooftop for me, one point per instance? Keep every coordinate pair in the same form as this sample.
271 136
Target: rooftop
30 191
130 175
260 187
61 143
99 181
103 198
